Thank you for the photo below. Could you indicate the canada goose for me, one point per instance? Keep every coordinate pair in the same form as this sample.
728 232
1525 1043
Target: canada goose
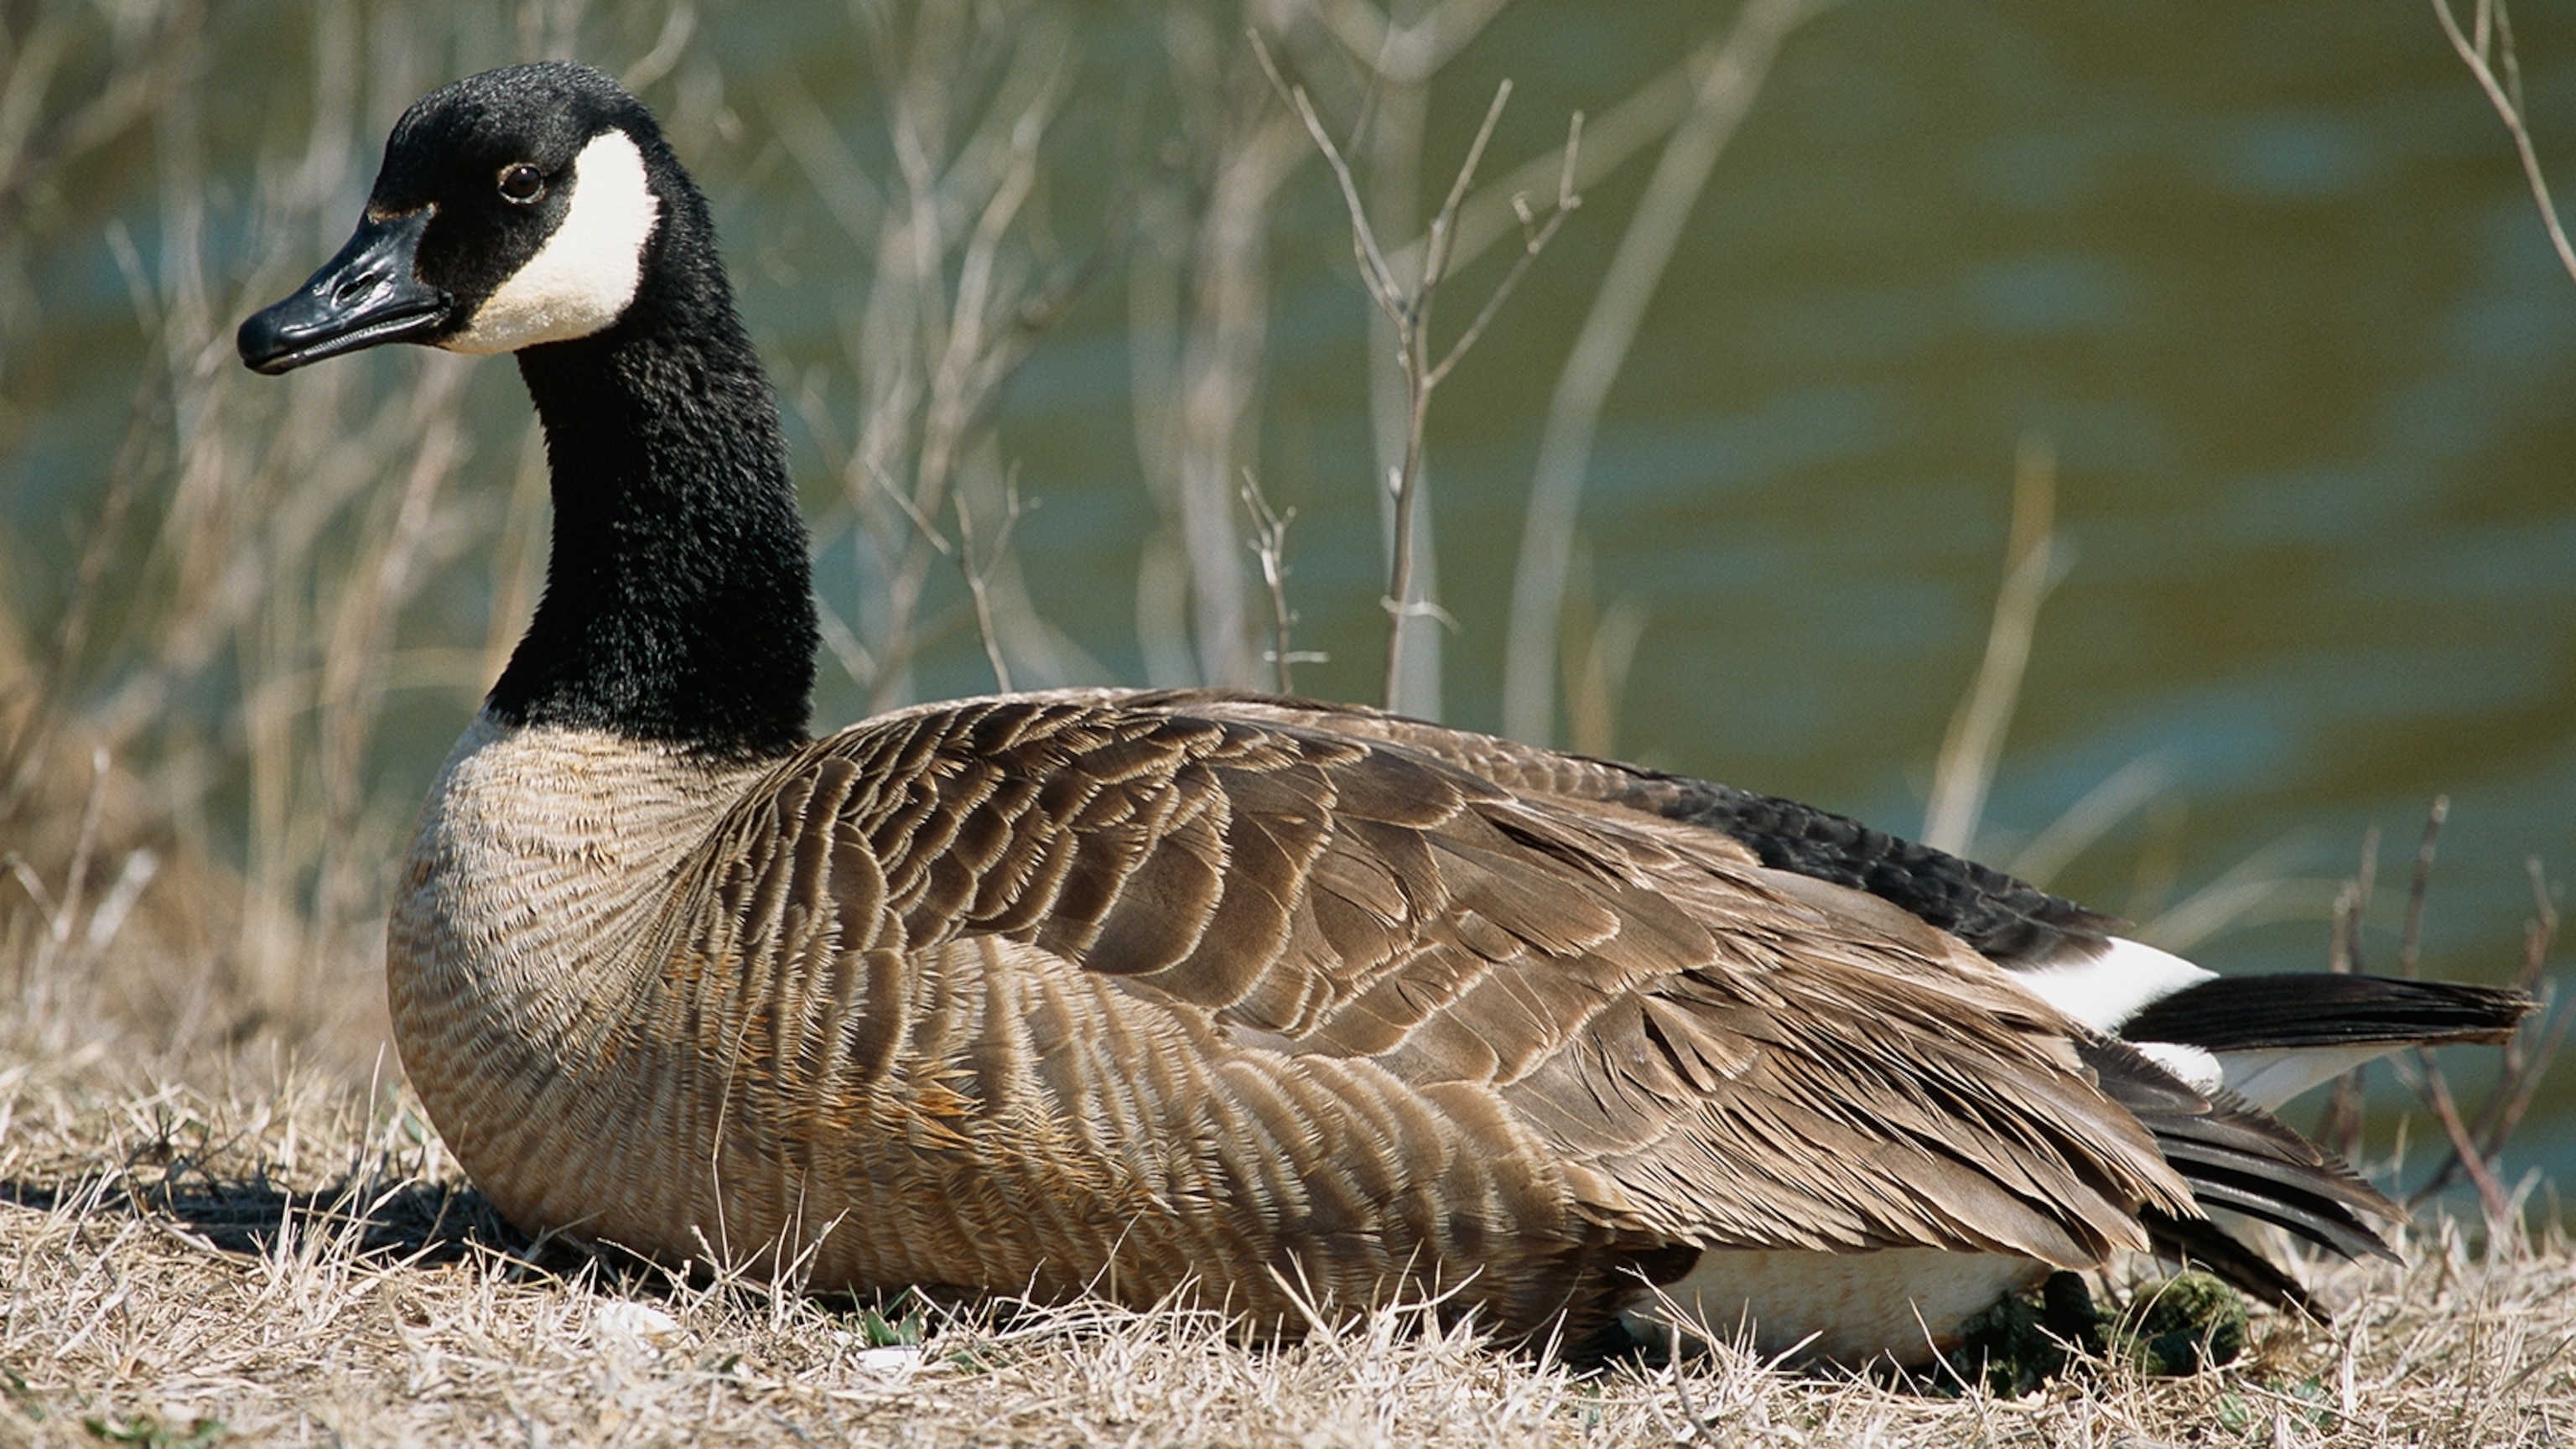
1199 991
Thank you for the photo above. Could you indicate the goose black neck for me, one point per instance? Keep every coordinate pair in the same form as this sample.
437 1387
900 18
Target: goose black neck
678 605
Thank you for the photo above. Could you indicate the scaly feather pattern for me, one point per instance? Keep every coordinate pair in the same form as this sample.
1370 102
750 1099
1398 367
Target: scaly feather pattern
1118 992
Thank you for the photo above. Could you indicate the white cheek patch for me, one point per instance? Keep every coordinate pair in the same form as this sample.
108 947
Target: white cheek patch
582 279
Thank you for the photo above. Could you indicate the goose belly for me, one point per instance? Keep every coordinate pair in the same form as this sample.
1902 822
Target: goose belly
1904 1304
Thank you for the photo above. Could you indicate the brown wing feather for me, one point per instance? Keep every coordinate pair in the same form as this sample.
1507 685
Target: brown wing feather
1672 1043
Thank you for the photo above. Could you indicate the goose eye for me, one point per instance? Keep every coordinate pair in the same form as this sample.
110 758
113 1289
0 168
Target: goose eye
522 182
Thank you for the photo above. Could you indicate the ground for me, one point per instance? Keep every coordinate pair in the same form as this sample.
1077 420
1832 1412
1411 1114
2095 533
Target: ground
248 1252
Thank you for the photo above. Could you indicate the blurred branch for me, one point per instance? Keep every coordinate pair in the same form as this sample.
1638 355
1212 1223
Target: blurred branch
1599 650
2253 889
954 307
2341 1125
1730 73
148 44
42 700
213 706
1200 305
2410 944
1407 54
2121 794
2486 49
979 572
1965 768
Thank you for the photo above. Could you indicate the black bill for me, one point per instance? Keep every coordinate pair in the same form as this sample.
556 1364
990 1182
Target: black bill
364 296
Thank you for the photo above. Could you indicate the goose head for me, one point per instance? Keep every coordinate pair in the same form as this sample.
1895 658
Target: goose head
517 207
537 210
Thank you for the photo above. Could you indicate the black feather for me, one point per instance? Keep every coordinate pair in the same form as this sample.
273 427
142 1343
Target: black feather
2323 1008
2004 919
2200 1242
2238 1157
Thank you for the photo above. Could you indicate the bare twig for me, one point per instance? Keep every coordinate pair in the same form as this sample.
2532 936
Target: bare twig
1407 54
2365 884
2340 1128
1535 235
1411 315
2471 1155
1408 306
2410 945
19 761
2528 1055
2524 1067
2468 1154
1396 60
1270 544
1200 313
2491 48
953 309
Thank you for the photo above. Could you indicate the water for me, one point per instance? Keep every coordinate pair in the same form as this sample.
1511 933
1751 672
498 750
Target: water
2267 278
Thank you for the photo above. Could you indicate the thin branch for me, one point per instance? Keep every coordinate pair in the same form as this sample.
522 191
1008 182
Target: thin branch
1435 262
1534 239
1406 54
855 660
1413 331
2468 1153
2528 1055
1270 544
2465 1149
2365 884
2340 1127
979 574
2506 96
1409 309
1374 271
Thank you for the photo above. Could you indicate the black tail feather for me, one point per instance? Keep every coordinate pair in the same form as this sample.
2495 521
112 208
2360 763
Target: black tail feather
2237 1157
2203 1243
2328 1009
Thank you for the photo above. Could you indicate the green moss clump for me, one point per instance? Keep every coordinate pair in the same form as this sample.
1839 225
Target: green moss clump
2187 1323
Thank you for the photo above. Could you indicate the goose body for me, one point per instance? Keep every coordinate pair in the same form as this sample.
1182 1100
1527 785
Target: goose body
1196 993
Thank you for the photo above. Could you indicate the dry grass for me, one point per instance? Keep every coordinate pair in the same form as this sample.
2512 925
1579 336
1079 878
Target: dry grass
269 1256
216 1224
